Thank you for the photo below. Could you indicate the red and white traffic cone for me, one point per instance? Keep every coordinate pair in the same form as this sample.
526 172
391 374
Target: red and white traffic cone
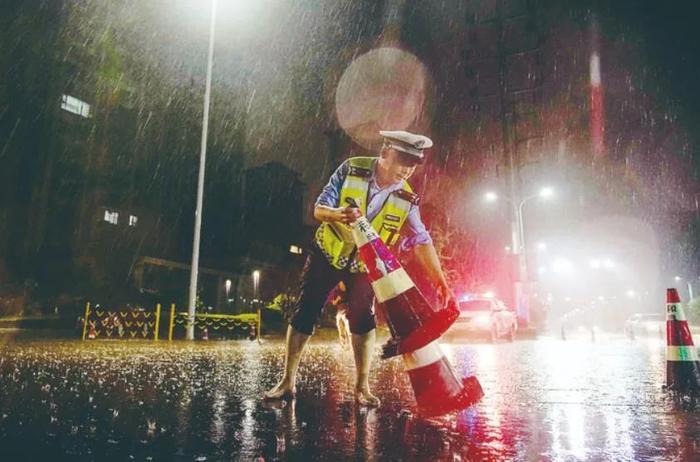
414 327
682 365
251 332
92 332
412 321
436 386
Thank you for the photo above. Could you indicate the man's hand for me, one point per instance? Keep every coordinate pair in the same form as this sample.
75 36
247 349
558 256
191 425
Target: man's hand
344 215
447 297
430 263
348 215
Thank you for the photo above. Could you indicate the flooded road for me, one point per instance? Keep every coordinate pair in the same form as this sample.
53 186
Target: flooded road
546 399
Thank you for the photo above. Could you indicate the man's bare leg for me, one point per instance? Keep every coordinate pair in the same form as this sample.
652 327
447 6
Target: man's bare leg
296 341
341 323
363 349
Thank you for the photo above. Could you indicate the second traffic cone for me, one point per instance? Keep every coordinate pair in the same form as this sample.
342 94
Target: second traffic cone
251 332
438 390
682 365
92 333
412 321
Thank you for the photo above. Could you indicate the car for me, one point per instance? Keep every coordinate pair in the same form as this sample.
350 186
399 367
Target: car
645 324
485 316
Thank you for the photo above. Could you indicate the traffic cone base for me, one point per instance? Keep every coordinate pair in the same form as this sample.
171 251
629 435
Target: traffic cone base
432 327
683 376
437 389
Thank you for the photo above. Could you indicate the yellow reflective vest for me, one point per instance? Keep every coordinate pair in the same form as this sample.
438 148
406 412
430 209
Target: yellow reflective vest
335 239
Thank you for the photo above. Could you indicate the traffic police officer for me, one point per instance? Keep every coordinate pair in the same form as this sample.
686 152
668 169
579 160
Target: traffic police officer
379 186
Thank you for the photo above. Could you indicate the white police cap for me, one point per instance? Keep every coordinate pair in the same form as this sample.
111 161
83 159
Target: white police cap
407 142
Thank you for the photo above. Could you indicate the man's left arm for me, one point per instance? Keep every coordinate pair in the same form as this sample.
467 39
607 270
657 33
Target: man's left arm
420 242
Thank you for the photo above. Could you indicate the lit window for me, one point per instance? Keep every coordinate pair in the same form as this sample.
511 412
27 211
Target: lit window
111 217
295 249
76 106
133 219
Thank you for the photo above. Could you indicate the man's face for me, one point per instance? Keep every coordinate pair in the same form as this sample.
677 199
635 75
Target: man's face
395 166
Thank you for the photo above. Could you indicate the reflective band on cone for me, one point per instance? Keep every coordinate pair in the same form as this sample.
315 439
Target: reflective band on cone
394 284
681 353
682 364
423 356
412 321
437 389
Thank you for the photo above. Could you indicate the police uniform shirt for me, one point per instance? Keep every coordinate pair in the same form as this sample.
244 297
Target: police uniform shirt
414 229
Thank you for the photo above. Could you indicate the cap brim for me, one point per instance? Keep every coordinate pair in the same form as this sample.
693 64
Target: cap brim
407 157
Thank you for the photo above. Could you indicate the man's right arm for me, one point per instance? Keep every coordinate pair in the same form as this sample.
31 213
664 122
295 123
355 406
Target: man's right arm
327 208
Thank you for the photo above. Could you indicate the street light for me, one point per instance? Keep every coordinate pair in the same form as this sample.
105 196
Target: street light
546 192
690 286
491 196
519 234
256 284
200 181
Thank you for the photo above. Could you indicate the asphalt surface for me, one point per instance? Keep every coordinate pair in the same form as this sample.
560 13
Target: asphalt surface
545 399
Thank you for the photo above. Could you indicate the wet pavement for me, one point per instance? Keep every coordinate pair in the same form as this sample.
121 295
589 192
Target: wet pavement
546 399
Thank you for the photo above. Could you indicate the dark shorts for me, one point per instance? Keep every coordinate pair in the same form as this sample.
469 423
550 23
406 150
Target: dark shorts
317 279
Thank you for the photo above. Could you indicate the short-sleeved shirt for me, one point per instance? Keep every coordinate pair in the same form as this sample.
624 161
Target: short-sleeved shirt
413 230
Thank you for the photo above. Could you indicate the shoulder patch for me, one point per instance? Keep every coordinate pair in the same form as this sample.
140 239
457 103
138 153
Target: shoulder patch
413 198
359 171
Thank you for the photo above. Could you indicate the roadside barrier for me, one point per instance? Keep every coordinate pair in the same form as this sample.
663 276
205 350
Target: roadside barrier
100 323
246 325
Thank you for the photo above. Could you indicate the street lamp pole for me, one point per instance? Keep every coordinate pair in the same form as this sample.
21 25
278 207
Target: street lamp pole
689 283
200 181
256 284
521 285
519 246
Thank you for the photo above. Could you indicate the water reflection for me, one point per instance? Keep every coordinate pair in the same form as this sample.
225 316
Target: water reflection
545 400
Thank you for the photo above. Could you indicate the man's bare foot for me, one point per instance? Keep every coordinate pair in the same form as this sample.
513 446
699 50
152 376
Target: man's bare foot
281 391
365 398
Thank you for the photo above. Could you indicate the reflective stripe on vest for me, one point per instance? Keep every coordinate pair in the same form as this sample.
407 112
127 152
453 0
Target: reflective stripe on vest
335 239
